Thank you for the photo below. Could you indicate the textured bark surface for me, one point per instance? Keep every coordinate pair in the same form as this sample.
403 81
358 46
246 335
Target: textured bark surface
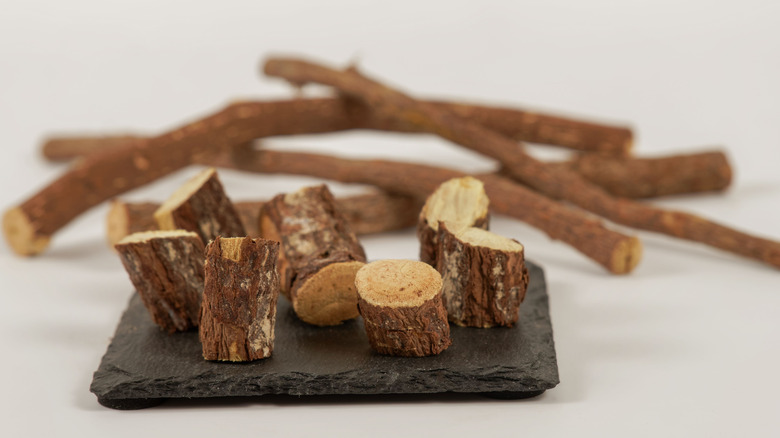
238 314
616 252
167 271
314 235
482 286
653 177
468 214
410 332
201 206
402 310
547 179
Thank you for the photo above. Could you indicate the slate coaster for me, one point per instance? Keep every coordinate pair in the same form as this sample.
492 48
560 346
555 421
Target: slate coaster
143 366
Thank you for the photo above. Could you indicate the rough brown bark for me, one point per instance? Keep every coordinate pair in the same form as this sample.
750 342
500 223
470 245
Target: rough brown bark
461 201
484 277
238 313
402 309
631 177
549 180
616 252
201 206
320 254
166 268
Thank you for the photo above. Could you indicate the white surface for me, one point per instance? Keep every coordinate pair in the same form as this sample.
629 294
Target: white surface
688 345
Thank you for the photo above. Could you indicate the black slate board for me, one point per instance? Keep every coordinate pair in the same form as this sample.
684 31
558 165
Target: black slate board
143 365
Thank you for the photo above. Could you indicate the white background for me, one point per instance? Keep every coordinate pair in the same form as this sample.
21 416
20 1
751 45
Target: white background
687 345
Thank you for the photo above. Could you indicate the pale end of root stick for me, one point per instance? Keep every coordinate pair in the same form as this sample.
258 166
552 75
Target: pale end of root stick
21 235
329 297
626 256
460 201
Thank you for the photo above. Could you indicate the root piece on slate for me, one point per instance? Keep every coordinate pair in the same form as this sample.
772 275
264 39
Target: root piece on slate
484 277
202 206
166 268
320 254
401 305
239 299
460 202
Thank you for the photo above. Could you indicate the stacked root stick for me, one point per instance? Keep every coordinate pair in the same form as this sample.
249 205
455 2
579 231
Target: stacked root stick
567 200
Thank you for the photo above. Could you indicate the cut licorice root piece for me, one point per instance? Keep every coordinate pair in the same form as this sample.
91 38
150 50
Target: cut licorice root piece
201 206
319 254
401 305
484 276
166 267
239 299
459 201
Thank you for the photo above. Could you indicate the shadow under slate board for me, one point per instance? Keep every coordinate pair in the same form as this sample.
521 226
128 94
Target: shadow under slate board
144 366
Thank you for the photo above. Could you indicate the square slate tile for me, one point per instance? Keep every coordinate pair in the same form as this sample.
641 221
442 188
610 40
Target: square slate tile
143 365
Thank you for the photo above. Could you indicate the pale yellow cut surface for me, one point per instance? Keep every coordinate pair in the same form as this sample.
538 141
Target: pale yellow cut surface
398 283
